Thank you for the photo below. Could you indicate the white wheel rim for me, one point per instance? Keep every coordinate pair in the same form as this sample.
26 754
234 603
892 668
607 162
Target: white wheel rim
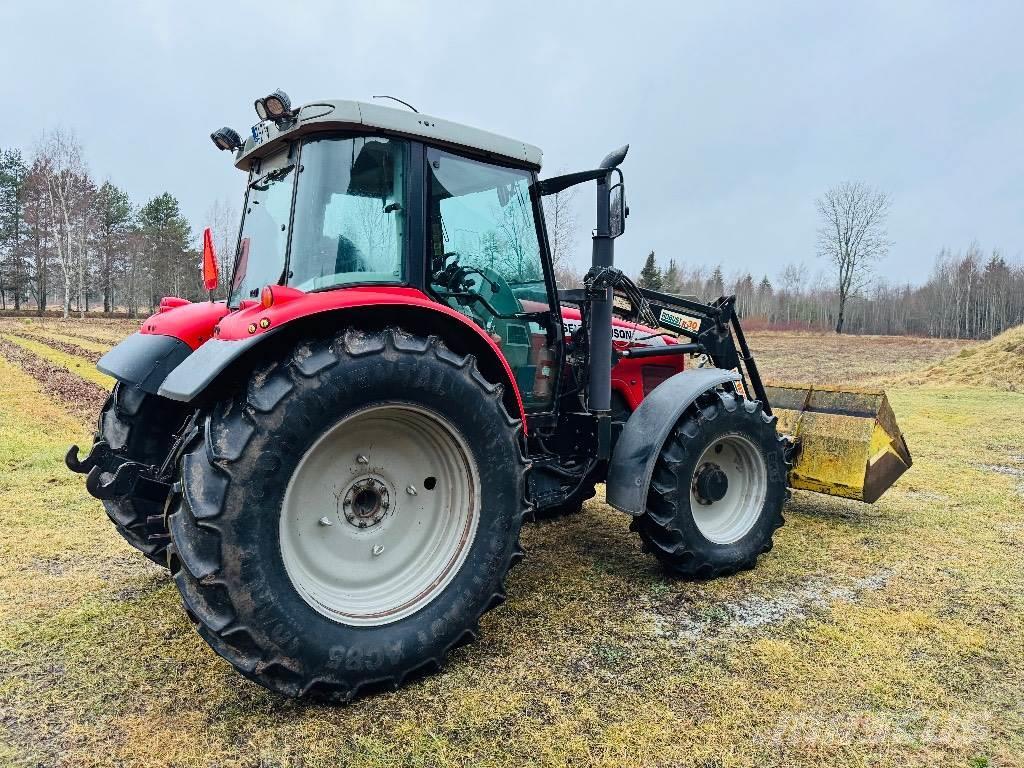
380 514
731 517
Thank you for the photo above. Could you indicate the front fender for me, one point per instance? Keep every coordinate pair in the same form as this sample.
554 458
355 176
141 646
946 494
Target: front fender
647 429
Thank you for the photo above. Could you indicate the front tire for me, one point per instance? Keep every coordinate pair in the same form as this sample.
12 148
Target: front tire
298 540
718 489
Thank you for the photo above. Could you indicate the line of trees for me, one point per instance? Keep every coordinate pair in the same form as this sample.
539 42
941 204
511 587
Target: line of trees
68 241
968 294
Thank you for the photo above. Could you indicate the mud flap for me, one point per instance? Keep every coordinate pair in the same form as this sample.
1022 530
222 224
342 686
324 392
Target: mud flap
848 443
144 360
647 429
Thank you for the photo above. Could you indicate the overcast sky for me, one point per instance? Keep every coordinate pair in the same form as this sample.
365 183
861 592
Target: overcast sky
738 114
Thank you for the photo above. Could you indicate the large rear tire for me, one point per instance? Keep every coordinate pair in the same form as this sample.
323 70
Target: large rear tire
718 489
346 521
140 427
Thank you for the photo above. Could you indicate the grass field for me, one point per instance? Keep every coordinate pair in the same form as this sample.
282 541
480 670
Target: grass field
884 635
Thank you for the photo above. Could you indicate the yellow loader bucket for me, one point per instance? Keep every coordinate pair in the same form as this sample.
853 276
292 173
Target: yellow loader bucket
848 441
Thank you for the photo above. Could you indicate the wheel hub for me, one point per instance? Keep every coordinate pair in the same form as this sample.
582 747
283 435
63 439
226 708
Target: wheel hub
728 488
710 484
366 502
380 514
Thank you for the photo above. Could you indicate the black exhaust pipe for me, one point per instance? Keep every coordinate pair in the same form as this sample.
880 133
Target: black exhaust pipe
599 388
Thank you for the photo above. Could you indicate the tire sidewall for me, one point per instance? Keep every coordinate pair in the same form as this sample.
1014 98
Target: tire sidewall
139 427
751 426
264 596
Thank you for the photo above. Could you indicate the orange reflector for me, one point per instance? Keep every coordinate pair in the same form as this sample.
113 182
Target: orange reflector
210 277
267 297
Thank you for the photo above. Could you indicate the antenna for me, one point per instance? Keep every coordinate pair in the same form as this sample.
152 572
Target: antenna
406 103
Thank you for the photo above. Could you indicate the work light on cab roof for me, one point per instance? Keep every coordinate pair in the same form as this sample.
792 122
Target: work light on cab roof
226 138
335 460
277 106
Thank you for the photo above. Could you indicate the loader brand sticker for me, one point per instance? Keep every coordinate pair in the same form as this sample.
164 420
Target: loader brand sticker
622 333
260 133
677 320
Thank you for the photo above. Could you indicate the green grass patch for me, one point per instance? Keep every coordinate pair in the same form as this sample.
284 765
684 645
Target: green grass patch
77 365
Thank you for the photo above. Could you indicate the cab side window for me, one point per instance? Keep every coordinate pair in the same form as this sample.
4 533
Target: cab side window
486 263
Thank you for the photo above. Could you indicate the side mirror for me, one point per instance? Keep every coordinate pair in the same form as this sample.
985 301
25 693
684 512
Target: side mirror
617 210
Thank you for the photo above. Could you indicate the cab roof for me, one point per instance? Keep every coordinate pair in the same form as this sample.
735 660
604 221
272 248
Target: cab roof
358 115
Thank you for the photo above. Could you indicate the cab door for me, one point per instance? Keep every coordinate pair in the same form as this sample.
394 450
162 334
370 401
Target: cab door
487 260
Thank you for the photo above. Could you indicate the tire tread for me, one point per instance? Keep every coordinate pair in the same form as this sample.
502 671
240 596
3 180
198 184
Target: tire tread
206 474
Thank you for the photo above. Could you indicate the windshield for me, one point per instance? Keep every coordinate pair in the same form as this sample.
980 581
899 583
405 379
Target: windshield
349 213
349 223
261 247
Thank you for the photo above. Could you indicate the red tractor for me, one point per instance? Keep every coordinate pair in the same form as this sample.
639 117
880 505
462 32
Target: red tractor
335 463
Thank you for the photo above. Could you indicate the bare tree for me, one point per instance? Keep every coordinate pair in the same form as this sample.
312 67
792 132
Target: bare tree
792 279
68 192
222 217
852 236
560 216
517 239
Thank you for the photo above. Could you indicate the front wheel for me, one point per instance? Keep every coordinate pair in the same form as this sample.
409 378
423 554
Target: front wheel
718 489
345 522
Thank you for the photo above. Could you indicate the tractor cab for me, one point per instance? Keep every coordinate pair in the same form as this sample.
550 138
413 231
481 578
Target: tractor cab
341 199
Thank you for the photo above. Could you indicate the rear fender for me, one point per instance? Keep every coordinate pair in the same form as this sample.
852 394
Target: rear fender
241 338
162 343
644 434
191 323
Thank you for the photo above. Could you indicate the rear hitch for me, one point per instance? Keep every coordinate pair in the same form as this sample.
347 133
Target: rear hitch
131 478
99 456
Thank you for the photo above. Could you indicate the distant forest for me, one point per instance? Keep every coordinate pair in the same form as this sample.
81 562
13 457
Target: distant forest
72 243
967 295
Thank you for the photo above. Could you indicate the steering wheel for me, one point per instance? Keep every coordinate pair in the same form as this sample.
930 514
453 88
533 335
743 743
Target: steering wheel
475 284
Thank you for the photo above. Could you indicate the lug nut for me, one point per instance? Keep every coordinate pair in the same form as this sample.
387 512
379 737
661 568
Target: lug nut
362 459
377 549
324 521
411 490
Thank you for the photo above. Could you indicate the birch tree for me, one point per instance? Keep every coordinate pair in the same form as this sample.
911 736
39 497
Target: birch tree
560 218
67 188
222 218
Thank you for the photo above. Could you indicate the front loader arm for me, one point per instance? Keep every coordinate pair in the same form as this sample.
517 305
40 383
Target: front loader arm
845 441
714 330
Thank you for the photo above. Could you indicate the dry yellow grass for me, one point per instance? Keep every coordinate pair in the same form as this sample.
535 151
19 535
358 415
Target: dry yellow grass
77 365
826 358
887 635
998 363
